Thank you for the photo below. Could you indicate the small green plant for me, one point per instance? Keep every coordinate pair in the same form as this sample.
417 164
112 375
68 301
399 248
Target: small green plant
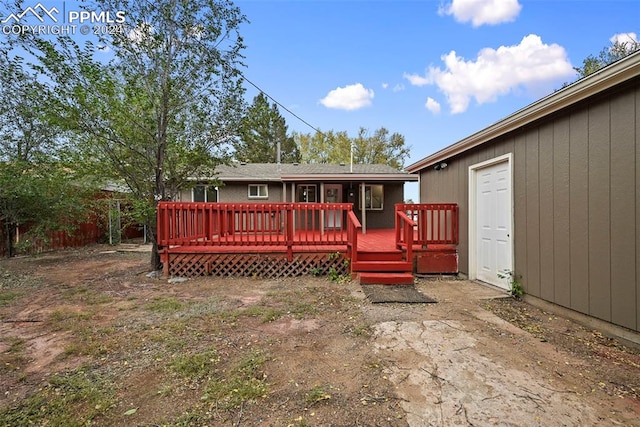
315 271
317 394
515 287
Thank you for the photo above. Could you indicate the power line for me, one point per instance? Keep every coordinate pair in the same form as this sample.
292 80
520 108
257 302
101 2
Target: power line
280 105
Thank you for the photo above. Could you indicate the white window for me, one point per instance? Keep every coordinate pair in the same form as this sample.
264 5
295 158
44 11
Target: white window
258 191
373 197
205 193
307 194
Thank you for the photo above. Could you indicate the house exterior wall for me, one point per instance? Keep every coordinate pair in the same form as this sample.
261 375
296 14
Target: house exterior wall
234 192
576 204
393 193
239 192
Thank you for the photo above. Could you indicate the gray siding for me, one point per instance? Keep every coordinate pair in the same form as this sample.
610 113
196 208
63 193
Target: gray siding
239 192
393 193
576 204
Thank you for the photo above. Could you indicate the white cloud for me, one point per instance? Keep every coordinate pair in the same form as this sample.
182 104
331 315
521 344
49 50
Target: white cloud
351 97
495 72
385 85
432 105
481 12
398 88
417 80
628 40
624 38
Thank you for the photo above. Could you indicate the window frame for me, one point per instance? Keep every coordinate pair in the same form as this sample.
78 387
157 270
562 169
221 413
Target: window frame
369 206
207 191
258 194
307 187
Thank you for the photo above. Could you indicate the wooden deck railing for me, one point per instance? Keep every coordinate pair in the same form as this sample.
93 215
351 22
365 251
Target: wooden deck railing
353 228
437 223
404 233
252 224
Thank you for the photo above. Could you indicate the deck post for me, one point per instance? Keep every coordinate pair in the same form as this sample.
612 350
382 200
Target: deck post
363 206
289 231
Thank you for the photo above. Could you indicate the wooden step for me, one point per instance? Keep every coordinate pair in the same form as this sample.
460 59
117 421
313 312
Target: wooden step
368 278
380 255
397 266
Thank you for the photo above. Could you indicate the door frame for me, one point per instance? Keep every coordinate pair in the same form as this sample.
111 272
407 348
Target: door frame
327 216
473 200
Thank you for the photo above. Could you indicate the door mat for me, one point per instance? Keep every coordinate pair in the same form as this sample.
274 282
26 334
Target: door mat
395 293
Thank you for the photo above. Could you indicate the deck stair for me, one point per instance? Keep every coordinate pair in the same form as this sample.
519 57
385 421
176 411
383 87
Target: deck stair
384 267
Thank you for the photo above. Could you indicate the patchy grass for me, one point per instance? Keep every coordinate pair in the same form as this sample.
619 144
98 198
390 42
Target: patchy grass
7 297
266 314
195 366
87 295
243 383
75 398
317 394
164 305
13 358
203 353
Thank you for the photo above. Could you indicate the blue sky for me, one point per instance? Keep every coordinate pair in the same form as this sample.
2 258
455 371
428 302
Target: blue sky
432 71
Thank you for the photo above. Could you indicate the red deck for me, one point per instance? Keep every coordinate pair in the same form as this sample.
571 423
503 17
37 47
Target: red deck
294 238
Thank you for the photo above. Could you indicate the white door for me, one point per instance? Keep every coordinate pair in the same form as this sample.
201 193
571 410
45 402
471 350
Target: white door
493 223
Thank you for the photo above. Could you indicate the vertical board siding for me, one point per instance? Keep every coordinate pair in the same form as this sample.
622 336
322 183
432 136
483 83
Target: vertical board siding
576 189
547 229
637 203
623 215
579 210
599 214
561 212
531 276
519 205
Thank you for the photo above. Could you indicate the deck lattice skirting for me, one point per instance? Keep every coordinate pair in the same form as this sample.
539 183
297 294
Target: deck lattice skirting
271 266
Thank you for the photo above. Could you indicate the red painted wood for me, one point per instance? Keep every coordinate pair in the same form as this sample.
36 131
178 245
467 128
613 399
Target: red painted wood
437 222
397 266
437 261
299 227
386 278
396 255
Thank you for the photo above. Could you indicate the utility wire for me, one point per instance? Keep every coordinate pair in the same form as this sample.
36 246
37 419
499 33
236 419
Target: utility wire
280 105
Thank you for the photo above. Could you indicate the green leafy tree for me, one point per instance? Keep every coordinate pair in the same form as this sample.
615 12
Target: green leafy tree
164 109
617 50
381 147
37 187
324 147
261 130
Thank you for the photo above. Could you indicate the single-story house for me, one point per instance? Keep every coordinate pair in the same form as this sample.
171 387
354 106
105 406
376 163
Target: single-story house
552 193
373 189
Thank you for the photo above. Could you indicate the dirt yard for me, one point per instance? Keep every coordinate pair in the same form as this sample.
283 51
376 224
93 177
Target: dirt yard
87 338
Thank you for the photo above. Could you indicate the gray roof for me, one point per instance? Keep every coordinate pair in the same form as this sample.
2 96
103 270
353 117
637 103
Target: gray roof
310 172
